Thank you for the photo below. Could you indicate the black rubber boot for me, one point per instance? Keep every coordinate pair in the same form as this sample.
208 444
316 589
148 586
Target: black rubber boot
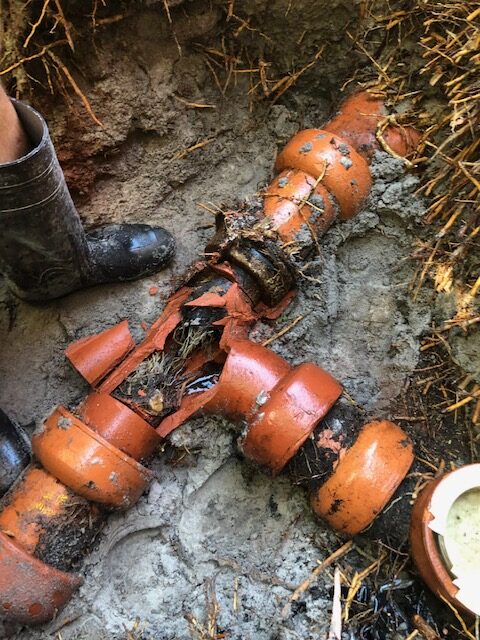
129 251
44 250
15 452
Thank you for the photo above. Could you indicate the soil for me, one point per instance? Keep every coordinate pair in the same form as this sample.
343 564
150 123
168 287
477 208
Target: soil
212 530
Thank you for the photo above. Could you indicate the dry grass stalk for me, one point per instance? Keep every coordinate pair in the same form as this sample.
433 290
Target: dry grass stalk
35 56
195 147
421 626
357 581
307 583
283 331
208 631
71 80
460 619
194 105
37 23
65 23
335 632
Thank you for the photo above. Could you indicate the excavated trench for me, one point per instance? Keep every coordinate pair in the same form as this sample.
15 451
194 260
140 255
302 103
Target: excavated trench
213 538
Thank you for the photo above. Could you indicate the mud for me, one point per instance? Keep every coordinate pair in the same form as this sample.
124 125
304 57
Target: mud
66 540
211 527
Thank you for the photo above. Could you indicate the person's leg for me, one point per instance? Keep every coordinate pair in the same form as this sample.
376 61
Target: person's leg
44 251
14 142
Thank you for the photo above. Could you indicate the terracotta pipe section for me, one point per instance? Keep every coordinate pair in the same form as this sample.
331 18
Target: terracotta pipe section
280 404
361 466
324 176
52 514
330 159
37 501
250 371
294 199
445 537
363 116
88 464
31 592
287 415
365 478
92 457
119 425
95 356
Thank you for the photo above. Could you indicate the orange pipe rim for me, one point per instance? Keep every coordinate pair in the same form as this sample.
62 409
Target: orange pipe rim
288 416
365 478
88 464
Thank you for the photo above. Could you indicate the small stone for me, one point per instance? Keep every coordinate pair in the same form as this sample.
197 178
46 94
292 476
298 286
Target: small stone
156 403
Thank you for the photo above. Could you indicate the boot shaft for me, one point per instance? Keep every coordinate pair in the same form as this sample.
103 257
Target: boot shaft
43 248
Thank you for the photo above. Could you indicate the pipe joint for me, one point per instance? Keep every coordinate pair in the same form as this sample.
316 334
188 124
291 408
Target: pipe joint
87 463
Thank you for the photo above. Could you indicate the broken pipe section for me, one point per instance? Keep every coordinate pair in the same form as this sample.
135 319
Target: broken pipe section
91 460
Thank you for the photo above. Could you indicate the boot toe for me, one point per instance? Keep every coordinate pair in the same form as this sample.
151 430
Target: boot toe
152 244
130 251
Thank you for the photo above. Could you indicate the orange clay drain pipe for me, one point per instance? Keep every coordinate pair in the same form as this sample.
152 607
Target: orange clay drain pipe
199 360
